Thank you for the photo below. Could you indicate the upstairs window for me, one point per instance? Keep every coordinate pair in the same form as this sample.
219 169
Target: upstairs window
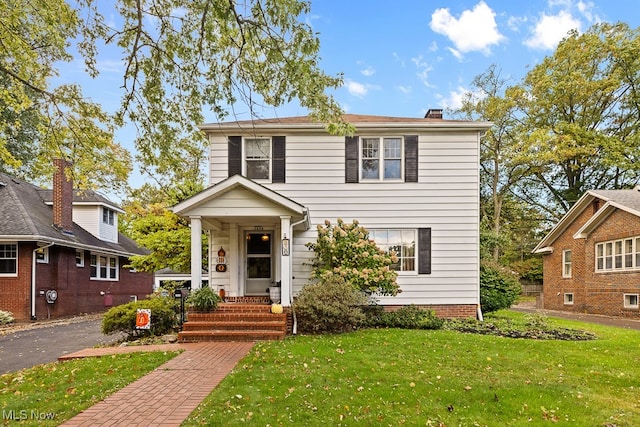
108 216
381 159
258 158
8 259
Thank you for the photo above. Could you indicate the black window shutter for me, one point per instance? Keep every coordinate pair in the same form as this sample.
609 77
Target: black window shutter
351 159
279 156
411 158
235 155
424 250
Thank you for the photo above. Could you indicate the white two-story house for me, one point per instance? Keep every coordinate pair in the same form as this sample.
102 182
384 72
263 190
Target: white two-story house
412 182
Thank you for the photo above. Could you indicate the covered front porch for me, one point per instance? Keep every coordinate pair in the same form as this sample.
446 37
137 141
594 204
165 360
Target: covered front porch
250 228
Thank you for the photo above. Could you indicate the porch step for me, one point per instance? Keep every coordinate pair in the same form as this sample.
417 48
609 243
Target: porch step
234 322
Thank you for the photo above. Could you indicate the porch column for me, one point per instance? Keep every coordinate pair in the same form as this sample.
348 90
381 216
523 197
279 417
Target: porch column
196 252
285 262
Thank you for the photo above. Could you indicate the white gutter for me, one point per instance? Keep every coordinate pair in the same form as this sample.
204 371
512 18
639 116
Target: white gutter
33 278
305 219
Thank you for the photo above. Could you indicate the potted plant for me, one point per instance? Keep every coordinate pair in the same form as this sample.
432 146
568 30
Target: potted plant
203 300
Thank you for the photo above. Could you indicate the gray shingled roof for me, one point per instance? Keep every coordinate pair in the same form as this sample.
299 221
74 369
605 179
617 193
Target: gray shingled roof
24 215
628 198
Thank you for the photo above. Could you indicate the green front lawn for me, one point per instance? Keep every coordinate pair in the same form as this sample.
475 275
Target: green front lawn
439 378
47 395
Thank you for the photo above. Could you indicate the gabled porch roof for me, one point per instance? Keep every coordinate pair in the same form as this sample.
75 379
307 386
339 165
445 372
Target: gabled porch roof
243 200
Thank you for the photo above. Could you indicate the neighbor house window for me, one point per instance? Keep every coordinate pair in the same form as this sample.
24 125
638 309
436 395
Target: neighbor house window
8 259
381 159
401 242
568 299
108 216
104 267
630 300
566 263
257 155
42 255
622 254
79 258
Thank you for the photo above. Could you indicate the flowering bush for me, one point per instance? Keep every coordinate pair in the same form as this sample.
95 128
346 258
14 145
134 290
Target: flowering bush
345 250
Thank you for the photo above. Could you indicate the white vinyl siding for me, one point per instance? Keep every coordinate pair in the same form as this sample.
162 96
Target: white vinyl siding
445 198
90 217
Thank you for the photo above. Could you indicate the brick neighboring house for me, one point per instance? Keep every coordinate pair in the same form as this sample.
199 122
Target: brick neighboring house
61 253
591 258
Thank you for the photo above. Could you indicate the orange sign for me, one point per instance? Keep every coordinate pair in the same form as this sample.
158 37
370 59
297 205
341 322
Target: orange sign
143 318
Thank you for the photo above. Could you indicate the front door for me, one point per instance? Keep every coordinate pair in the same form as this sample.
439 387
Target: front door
259 274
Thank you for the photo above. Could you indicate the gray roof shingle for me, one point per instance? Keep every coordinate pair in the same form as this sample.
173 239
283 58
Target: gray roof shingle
25 214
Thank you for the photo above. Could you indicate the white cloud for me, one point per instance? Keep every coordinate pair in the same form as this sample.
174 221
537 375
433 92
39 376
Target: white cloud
404 89
109 66
454 99
423 70
475 30
359 89
550 29
368 70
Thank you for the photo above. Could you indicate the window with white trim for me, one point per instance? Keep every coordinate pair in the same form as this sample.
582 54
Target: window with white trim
257 157
566 263
104 267
108 216
401 242
631 301
79 258
381 159
621 254
568 298
8 259
42 255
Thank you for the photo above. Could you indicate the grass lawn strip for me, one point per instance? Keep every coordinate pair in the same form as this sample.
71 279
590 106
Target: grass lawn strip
440 378
47 395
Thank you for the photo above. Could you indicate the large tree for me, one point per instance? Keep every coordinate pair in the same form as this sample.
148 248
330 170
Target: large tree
500 165
581 108
181 59
40 121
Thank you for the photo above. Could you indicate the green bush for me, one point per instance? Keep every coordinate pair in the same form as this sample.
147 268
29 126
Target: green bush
345 250
5 317
203 299
329 306
407 317
499 287
122 318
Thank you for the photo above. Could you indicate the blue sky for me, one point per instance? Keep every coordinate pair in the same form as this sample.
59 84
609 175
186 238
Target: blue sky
402 57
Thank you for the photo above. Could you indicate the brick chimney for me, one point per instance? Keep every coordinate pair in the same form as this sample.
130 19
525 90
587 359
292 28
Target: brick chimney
433 113
62 197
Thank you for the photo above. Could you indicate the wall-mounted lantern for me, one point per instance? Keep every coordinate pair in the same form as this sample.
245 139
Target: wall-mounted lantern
285 246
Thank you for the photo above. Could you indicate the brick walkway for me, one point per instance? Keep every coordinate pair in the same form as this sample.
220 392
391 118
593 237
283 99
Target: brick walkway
167 395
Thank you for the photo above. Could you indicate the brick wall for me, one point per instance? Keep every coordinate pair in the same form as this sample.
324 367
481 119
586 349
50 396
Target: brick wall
15 291
595 293
454 311
77 293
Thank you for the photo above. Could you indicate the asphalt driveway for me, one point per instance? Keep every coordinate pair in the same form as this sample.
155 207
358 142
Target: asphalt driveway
24 346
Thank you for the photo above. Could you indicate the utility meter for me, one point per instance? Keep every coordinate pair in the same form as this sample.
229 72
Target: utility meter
51 296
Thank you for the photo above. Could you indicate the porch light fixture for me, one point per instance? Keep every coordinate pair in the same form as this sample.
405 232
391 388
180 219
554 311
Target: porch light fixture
265 237
285 246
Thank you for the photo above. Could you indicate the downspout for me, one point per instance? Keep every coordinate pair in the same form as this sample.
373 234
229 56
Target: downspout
33 278
305 218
